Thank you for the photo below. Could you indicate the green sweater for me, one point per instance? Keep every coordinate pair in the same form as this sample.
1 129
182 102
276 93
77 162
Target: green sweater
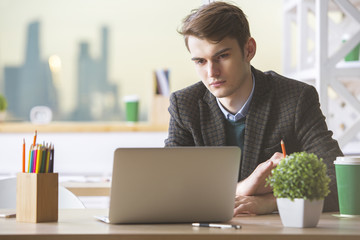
235 133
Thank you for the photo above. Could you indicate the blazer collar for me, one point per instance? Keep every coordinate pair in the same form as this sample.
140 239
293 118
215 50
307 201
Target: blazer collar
256 121
212 121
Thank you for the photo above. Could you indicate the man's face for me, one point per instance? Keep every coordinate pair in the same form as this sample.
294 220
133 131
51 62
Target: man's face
222 66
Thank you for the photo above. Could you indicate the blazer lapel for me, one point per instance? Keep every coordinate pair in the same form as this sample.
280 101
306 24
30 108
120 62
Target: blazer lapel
256 121
211 121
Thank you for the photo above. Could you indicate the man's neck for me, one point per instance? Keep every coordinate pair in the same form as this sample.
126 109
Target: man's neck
232 105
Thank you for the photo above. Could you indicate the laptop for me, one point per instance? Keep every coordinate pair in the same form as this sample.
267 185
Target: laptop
173 185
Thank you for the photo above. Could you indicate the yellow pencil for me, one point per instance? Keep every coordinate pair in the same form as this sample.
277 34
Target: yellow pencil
38 159
47 158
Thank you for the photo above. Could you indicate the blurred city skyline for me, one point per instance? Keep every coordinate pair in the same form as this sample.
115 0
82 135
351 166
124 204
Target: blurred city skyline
58 43
34 83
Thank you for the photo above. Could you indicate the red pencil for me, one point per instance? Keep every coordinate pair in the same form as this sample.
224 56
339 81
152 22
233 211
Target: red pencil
23 159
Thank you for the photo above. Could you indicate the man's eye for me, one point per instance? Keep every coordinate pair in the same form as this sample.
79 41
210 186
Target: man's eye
200 61
225 55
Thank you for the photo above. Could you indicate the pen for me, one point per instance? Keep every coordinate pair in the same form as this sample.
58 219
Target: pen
283 148
215 225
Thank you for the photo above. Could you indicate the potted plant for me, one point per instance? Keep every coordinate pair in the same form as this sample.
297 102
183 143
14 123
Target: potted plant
300 185
3 106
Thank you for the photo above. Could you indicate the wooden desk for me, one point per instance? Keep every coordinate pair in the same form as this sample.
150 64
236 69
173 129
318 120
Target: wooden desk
80 224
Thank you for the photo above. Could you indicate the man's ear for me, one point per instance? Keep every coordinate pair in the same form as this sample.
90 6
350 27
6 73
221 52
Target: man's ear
250 49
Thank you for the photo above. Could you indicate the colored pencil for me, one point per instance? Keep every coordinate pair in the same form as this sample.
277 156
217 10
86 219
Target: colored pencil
33 169
23 157
43 161
51 160
283 147
34 143
30 158
38 159
47 158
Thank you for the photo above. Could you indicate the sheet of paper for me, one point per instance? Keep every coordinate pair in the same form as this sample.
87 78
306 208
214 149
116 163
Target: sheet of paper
5 213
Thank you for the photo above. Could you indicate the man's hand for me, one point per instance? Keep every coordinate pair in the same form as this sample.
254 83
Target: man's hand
255 183
261 204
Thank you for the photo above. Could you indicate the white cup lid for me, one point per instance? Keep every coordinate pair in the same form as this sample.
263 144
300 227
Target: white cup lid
348 160
131 98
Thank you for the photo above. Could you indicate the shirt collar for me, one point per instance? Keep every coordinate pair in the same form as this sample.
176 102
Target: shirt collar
243 111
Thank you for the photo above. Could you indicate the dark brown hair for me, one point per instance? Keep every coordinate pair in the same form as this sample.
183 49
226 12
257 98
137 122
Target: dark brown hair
215 21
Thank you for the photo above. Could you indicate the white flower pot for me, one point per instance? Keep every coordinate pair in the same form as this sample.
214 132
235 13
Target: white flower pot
299 213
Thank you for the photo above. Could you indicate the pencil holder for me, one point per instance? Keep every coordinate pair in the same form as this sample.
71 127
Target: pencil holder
37 197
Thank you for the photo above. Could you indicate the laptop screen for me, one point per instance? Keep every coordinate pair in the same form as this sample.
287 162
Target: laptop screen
181 184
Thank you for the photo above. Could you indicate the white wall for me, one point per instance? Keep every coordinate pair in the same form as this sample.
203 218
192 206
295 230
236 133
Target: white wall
75 153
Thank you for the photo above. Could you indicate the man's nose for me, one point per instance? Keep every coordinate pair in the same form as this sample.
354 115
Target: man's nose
213 69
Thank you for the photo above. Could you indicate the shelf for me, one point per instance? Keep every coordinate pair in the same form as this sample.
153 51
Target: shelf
306 75
343 68
8 127
318 27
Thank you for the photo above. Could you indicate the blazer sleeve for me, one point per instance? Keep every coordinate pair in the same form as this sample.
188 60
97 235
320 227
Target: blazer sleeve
178 134
314 136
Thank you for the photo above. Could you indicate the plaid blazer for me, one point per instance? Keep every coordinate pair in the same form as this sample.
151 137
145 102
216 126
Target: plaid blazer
281 108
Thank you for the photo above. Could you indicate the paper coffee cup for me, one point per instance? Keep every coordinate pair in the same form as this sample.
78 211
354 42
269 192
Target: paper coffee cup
132 108
348 184
353 55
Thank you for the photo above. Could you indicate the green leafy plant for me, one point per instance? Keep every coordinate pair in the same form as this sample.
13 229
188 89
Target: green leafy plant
300 175
3 103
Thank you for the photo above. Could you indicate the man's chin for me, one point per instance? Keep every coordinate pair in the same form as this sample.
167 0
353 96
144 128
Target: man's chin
219 94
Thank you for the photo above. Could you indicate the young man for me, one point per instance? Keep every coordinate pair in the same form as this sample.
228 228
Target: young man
238 105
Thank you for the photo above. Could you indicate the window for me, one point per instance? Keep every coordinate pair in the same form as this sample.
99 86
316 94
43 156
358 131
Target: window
80 58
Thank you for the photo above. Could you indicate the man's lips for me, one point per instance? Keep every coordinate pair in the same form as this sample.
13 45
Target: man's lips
217 83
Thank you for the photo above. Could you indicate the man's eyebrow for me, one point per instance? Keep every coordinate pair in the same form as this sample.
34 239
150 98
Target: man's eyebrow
215 55
196 58
221 52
